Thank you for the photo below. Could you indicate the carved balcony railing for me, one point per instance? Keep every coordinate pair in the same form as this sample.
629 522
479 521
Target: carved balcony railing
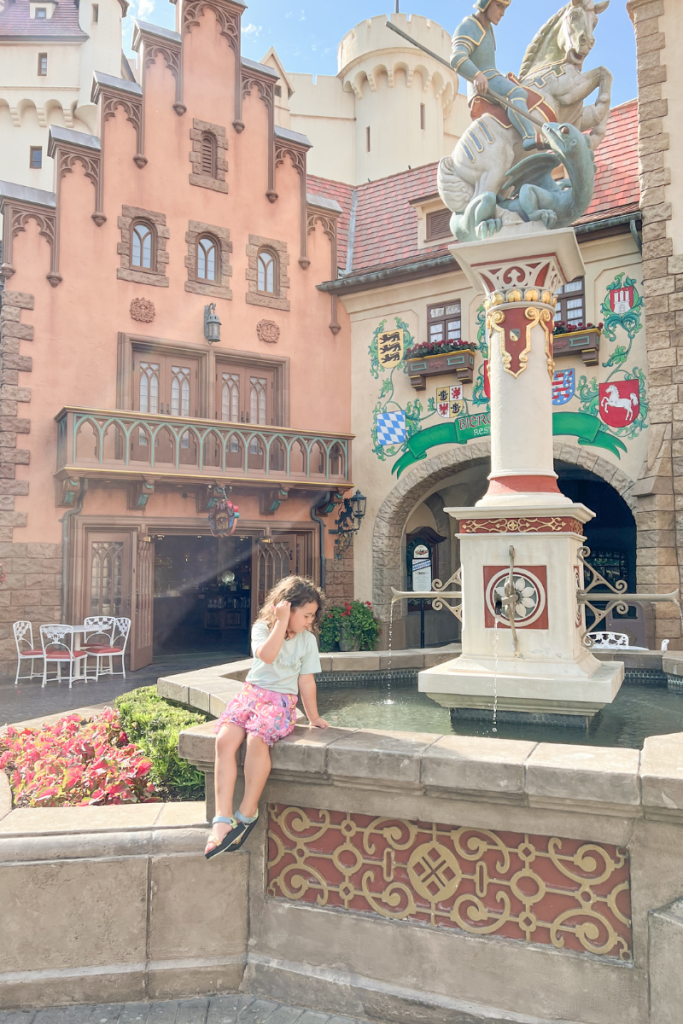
133 445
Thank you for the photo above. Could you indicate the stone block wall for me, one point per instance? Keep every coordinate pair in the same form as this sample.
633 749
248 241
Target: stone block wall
339 577
659 492
32 590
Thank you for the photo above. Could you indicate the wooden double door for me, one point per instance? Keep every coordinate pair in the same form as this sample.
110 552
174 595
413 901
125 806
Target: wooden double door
119 578
119 581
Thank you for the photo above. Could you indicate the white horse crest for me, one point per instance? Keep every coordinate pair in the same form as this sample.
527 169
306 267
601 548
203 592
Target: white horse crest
613 400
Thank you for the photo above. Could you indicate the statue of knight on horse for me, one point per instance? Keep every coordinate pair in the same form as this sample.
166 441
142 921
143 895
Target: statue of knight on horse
492 178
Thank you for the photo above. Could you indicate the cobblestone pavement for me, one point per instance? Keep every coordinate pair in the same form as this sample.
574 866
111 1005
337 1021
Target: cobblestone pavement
31 700
216 1010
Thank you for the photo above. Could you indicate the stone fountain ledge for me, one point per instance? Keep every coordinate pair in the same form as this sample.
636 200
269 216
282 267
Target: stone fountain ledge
211 689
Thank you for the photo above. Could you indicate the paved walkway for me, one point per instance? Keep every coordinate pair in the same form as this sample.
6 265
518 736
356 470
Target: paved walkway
217 1010
30 700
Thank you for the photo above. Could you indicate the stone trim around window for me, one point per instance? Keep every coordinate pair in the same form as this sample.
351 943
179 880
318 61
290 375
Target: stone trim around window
218 184
156 276
220 289
256 298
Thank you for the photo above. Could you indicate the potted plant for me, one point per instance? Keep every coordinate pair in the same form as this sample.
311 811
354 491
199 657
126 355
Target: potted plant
349 627
437 358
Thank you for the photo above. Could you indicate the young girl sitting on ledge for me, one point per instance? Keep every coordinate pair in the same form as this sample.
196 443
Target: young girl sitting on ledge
285 658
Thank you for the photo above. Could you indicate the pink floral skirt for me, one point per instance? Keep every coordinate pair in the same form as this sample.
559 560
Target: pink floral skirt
264 713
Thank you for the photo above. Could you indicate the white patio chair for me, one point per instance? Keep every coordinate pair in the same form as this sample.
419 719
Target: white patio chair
57 641
23 635
116 648
606 639
100 631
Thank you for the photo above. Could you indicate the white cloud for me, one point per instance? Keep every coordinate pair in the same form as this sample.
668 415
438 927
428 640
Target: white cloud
249 30
145 8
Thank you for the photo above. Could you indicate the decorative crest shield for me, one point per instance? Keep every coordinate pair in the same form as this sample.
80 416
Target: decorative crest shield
619 402
622 300
390 348
564 386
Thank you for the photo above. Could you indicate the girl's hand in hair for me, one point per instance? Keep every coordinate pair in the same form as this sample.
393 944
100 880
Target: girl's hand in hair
282 610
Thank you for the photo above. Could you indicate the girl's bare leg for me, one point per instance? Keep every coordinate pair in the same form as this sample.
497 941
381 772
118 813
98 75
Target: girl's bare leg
228 742
256 771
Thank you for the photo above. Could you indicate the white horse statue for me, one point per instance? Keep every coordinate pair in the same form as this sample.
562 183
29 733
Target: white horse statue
470 180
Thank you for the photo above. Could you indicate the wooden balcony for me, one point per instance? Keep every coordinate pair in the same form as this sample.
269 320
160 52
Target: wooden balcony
98 443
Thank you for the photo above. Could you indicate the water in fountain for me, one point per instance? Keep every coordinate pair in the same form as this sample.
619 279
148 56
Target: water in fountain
391 630
495 675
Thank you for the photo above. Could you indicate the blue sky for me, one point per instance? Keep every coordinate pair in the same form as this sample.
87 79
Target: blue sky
306 35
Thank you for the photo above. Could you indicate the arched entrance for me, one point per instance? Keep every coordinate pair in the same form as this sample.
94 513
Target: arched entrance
458 477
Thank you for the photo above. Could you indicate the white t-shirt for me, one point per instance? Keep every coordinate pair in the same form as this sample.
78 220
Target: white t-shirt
298 657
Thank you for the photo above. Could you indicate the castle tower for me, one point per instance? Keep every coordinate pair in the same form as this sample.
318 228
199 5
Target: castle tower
390 107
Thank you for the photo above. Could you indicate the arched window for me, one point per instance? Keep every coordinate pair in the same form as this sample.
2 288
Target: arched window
142 247
209 149
207 259
267 272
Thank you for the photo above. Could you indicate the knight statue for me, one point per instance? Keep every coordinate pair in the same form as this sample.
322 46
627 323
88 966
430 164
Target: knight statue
496 176
474 58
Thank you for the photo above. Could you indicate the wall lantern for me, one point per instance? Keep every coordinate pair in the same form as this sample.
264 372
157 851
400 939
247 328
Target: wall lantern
351 515
212 325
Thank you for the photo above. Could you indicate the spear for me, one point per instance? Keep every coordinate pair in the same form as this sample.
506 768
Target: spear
493 97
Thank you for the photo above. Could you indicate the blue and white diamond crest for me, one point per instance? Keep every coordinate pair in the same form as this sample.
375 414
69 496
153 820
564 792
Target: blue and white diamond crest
391 428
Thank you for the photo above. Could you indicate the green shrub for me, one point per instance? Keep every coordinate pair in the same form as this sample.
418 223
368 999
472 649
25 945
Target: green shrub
356 618
154 724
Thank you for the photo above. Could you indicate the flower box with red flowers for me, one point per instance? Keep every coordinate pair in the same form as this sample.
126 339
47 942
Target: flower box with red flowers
437 359
578 339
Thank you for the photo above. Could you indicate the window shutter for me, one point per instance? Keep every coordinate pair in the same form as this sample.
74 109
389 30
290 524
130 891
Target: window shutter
208 149
438 224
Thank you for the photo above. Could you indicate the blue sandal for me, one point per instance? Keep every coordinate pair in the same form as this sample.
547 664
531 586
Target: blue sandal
224 843
241 831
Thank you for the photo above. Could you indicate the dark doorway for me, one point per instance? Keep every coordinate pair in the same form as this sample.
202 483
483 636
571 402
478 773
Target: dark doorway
611 536
202 594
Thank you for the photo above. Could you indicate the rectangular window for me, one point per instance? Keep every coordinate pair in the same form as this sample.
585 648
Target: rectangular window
36 158
42 64
367 139
444 322
438 224
423 117
571 305
41 12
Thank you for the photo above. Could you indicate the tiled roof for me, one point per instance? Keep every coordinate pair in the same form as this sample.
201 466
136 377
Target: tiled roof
617 188
386 223
16 22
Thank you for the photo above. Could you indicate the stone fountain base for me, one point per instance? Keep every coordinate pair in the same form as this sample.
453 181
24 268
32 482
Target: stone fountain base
539 691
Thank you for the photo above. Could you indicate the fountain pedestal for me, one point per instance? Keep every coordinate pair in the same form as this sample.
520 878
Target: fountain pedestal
524 536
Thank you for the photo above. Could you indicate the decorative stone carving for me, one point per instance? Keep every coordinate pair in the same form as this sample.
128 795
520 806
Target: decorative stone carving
252 78
17 213
229 21
66 153
268 330
218 184
254 297
287 147
157 275
220 288
142 310
493 153
128 96
327 218
170 49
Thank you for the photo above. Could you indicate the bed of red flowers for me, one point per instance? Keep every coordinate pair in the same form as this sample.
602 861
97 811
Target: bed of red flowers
569 328
75 763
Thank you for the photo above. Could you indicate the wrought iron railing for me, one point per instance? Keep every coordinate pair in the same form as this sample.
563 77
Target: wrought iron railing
94 441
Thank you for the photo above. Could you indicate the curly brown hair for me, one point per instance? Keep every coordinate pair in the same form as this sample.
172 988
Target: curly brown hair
298 590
